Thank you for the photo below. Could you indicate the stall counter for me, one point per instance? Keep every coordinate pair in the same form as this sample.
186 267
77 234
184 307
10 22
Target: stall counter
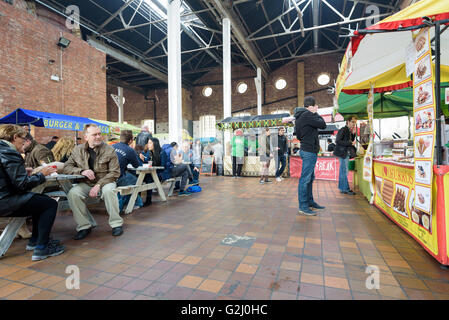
360 185
394 195
327 168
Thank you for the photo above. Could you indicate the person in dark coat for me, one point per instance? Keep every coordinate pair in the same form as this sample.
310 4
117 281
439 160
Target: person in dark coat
282 149
16 199
345 140
52 142
307 123
330 146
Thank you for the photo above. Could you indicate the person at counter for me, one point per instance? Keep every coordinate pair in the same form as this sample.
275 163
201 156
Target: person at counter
330 146
238 153
281 152
345 140
307 123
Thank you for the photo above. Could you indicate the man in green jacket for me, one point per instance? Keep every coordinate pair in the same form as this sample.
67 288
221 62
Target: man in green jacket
99 163
238 153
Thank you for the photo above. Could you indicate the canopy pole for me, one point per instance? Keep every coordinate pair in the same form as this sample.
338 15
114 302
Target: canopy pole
438 92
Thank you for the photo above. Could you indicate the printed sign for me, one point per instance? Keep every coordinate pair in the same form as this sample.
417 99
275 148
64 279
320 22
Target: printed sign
368 159
207 164
394 194
424 119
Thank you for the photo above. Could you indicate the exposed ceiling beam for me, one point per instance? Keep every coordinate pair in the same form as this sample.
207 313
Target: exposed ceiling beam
226 11
316 22
318 27
380 5
307 55
132 62
112 17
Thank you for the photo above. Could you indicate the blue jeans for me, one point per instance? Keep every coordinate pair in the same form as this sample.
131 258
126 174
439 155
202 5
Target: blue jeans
305 185
283 161
343 184
127 179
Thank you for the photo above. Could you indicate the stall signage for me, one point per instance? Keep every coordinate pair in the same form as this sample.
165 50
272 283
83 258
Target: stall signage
394 194
424 111
69 125
326 168
447 95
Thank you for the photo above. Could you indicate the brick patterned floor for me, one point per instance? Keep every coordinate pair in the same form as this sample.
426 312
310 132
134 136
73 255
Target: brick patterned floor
173 250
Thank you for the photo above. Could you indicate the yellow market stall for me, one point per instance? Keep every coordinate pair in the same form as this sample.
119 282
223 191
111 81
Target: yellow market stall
408 177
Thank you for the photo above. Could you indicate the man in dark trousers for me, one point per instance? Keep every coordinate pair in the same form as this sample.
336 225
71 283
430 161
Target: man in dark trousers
307 123
281 152
126 155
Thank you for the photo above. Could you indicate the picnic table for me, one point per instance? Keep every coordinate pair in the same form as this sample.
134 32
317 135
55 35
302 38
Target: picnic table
65 183
134 190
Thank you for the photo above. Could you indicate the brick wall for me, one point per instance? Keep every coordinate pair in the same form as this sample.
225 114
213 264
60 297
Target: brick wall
27 44
313 66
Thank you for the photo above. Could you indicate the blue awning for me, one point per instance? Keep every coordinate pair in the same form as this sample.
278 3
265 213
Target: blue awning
50 120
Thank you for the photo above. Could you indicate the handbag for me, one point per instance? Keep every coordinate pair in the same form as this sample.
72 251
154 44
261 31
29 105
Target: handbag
340 151
352 152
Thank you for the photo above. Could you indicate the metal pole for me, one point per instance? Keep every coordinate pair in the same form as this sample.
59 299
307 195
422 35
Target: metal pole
174 72
438 92
227 80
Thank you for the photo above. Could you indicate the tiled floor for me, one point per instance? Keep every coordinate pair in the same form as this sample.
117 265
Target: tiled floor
173 250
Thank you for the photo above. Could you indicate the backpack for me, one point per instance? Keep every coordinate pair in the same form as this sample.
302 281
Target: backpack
194 189
167 149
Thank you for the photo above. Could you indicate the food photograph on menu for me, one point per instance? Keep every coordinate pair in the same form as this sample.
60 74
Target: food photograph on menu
378 186
400 200
423 94
421 44
423 146
423 172
423 69
423 198
387 192
424 120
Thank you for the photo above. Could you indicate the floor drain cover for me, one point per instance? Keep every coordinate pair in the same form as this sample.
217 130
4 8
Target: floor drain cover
238 241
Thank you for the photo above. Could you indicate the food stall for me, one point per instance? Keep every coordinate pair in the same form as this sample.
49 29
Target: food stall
408 177
252 127
327 166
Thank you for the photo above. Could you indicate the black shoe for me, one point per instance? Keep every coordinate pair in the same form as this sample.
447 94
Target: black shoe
82 234
350 192
268 181
49 251
32 245
316 206
118 231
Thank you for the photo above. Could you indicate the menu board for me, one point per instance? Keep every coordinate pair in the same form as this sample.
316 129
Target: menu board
207 164
424 118
395 194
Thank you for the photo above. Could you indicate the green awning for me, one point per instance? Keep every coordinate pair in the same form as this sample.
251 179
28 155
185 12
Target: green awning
397 104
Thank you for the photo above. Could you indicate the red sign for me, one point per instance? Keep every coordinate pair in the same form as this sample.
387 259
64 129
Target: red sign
326 168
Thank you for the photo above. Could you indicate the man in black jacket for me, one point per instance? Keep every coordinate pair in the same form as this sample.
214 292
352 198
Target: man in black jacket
282 150
307 123
345 140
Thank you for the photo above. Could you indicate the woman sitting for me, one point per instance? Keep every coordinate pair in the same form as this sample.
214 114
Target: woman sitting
16 200
152 154
63 149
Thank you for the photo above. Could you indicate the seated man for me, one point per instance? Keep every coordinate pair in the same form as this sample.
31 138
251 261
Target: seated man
36 154
99 163
126 155
187 158
173 167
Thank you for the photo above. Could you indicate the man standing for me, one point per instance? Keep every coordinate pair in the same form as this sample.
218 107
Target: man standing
306 130
52 142
36 154
143 136
99 163
281 152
